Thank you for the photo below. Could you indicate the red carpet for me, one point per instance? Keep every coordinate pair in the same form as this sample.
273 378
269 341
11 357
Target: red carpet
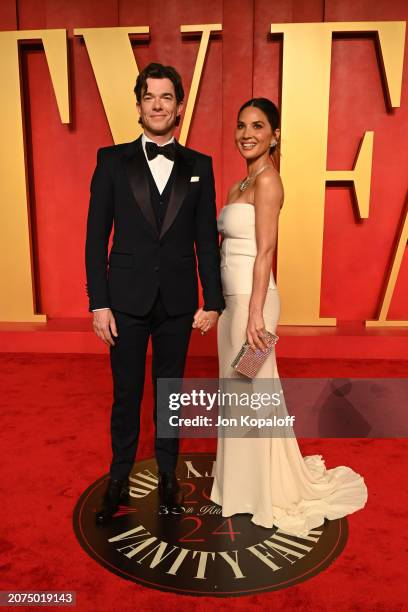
55 441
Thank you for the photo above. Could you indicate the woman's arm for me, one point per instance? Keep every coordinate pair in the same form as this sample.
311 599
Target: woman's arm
268 202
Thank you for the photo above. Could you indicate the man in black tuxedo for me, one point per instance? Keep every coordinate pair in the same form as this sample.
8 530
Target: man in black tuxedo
160 197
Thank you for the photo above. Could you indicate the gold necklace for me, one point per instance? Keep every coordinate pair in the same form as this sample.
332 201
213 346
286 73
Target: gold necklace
248 180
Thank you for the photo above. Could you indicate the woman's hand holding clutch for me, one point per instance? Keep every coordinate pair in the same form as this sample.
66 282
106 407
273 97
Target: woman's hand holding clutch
256 331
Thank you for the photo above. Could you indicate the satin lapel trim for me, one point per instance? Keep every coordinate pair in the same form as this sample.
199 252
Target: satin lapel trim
178 192
136 171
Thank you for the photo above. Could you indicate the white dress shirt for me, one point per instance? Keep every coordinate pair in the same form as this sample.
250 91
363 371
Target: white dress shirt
160 167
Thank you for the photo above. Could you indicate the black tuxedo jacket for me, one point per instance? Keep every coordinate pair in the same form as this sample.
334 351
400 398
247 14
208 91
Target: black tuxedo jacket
143 259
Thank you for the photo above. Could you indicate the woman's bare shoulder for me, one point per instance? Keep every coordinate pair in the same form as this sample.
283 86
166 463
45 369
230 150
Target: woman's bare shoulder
270 182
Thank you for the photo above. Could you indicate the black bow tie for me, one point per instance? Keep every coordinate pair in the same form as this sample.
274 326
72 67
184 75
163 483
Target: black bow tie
153 150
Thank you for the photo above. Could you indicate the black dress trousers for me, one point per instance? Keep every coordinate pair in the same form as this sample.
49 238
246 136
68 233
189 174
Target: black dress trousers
170 338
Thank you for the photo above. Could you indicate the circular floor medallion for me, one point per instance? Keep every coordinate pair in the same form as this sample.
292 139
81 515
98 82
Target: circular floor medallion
198 552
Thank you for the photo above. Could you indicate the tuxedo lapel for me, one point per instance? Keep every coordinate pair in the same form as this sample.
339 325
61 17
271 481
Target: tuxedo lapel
135 162
183 169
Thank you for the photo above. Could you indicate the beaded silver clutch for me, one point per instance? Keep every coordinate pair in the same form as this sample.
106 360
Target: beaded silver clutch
248 362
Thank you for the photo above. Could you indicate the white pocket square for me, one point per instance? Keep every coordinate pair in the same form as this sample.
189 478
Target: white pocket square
194 179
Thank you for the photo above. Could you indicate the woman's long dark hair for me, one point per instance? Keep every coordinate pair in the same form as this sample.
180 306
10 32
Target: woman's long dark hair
272 114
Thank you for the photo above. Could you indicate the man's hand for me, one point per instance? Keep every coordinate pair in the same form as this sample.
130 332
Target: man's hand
204 320
104 325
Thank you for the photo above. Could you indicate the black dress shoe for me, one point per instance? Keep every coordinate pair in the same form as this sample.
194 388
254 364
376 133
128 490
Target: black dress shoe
117 491
169 492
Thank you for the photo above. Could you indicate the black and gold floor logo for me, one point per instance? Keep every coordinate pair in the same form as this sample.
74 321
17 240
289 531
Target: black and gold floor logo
198 552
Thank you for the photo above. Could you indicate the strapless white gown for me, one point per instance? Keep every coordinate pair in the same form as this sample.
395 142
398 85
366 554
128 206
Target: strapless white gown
268 477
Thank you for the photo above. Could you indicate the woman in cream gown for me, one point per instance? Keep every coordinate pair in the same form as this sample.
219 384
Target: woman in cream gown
265 477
